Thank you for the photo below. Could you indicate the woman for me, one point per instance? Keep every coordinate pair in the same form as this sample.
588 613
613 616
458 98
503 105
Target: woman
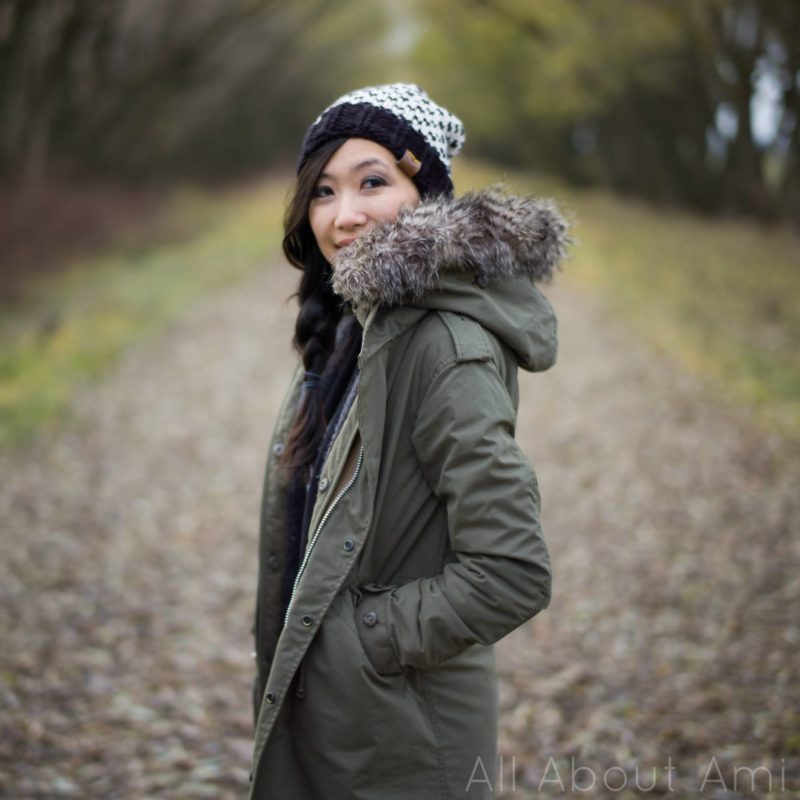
400 529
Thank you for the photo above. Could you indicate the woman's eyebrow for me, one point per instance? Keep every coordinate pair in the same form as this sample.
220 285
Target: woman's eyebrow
370 162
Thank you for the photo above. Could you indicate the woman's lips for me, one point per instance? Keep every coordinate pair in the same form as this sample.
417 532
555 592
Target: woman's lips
345 242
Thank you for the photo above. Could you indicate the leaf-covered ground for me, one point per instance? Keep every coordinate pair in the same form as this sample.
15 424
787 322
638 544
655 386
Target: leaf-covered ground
670 654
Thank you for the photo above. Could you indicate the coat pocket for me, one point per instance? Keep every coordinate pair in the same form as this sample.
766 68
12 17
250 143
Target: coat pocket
371 621
354 613
354 718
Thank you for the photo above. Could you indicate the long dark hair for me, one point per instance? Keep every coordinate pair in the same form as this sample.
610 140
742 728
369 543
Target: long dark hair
320 311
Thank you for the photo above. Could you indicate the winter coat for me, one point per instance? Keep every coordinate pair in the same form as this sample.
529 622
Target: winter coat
425 546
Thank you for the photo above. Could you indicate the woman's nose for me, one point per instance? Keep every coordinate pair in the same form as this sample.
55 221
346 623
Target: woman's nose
349 213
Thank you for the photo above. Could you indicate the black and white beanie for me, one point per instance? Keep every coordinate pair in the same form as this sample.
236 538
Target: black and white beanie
422 136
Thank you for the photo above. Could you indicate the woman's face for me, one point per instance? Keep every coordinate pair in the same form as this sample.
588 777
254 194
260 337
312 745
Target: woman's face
359 186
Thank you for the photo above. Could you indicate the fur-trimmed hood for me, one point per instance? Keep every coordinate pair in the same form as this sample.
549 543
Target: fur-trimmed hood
479 255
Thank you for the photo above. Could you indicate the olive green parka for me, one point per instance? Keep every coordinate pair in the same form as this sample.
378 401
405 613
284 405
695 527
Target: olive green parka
424 546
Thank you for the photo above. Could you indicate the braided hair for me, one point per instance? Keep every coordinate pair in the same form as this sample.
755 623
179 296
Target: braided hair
320 312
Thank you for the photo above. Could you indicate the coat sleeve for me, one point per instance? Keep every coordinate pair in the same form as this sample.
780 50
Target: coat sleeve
464 440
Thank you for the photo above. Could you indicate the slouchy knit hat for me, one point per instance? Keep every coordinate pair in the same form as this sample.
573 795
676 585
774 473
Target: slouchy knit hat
421 135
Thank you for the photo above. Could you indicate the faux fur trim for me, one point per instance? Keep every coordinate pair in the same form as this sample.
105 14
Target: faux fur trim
490 233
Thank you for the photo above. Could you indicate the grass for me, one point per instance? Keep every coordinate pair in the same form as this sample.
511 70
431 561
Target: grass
69 327
721 297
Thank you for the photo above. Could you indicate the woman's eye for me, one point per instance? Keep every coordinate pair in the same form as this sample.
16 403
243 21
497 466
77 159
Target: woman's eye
322 191
373 182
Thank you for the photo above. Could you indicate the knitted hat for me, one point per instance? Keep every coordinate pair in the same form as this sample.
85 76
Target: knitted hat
421 135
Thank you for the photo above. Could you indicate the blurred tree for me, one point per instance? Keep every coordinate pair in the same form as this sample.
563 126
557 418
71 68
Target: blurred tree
683 101
132 88
687 101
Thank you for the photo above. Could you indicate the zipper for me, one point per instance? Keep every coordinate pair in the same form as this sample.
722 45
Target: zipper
317 532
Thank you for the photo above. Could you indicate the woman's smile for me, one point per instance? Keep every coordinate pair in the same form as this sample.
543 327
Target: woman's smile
359 186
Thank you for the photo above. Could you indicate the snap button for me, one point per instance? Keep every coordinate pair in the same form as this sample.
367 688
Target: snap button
278 449
307 620
270 698
348 545
370 618
323 484
273 562
482 281
253 654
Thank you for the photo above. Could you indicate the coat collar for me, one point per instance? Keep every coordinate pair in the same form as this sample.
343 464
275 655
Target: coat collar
487 233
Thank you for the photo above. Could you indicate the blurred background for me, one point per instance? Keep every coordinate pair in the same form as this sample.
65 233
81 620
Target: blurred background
120 118
146 149
688 103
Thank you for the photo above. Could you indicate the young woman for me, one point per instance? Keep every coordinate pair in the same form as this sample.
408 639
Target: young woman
400 531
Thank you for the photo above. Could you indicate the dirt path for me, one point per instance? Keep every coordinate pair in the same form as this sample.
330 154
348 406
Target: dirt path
127 573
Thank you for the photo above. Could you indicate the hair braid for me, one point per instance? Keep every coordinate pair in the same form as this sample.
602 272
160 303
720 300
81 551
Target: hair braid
320 312
314 338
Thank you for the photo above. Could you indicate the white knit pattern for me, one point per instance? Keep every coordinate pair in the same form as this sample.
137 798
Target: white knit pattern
441 130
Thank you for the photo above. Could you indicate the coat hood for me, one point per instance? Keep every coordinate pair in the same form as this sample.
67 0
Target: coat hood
479 256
